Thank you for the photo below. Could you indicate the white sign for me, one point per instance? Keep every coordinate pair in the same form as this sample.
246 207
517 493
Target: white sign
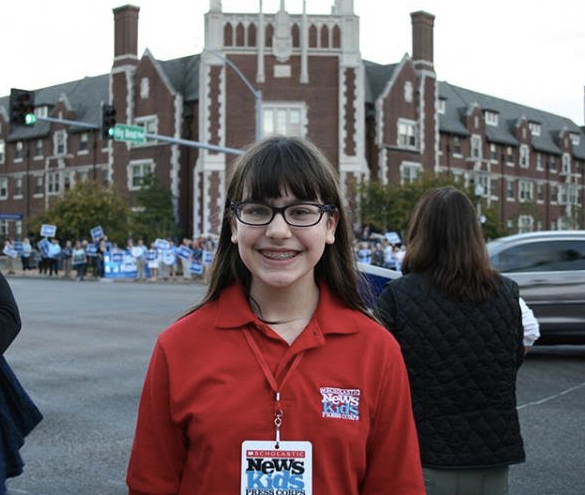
96 233
48 230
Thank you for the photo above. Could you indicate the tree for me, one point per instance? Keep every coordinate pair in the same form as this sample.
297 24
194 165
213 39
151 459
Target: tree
154 216
86 205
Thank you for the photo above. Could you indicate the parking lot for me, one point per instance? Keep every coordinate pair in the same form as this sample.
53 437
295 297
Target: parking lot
84 348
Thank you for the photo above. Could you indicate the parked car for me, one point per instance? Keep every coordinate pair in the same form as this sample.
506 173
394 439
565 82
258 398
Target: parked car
549 268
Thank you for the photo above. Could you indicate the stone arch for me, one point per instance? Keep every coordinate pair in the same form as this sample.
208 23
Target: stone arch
313 36
240 35
336 37
324 35
295 35
228 34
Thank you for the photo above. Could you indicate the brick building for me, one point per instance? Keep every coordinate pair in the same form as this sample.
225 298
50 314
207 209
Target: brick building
372 121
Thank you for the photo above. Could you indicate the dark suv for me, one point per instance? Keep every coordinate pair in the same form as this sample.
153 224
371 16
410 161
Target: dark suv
549 268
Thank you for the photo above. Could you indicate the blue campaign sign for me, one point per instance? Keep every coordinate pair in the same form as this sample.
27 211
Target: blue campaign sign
196 268
48 230
185 253
372 281
91 250
96 233
18 246
393 237
208 257
10 252
119 265
151 255
43 246
118 257
161 244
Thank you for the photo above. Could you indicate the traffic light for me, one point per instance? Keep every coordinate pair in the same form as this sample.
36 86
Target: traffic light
108 121
22 107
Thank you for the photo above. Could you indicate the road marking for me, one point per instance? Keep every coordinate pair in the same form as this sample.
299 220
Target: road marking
547 399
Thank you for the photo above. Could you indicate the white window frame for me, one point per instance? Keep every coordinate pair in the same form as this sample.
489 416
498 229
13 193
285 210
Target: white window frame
53 183
60 142
406 134
150 125
441 106
2 151
284 118
566 164
409 172
475 147
510 195
38 149
525 223
3 188
539 165
18 151
4 227
491 118
459 153
525 191
539 192
535 128
524 156
493 153
408 92
509 156
574 138
18 187
83 139
144 167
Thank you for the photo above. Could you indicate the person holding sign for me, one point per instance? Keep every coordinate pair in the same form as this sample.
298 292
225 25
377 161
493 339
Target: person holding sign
279 381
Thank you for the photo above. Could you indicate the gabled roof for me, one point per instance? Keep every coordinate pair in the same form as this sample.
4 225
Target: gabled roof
458 100
183 73
377 77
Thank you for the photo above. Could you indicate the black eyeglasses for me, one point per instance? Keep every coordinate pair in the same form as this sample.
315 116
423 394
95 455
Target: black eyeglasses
296 215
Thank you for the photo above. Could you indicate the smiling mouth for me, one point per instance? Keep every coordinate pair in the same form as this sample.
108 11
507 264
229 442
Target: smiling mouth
279 255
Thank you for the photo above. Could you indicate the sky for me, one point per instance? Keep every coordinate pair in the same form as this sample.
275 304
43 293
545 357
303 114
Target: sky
530 52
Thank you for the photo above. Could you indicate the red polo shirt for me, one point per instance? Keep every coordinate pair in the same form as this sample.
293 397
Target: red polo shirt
205 393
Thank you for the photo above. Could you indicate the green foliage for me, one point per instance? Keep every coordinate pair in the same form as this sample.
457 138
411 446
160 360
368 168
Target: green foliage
83 207
154 216
387 207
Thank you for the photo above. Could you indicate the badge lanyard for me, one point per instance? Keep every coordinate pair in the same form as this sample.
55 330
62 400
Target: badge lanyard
278 412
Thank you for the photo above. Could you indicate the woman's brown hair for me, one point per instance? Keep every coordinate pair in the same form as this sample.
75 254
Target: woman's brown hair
445 243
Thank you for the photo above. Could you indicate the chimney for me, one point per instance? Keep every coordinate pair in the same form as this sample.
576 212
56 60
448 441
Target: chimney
422 40
126 35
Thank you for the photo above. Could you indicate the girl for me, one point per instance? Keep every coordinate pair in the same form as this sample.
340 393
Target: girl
279 381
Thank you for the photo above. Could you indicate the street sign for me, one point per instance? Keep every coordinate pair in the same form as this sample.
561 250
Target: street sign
132 133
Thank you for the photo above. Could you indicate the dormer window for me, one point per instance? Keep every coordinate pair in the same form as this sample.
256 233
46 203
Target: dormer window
442 106
42 111
491 118
574 138
534 128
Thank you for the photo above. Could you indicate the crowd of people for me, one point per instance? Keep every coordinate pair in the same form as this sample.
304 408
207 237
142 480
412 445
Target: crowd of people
163 259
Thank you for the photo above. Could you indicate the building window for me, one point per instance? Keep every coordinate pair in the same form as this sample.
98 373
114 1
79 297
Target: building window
38 148
2 151
491 118
476 153
409 172
144 88
53 183
18 187
534 128
539 192
283 119
509 155
457 146
3 187
406 134
524 156
552 164
150 126
509 189
137 172
42 111
539 161
566 166
39 185
493 152
18 228
60 142
525 190
19 150
525 224
442 106
82 175
3 227
574 138
83 140
408 92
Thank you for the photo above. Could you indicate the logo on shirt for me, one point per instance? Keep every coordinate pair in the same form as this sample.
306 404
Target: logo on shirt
341 403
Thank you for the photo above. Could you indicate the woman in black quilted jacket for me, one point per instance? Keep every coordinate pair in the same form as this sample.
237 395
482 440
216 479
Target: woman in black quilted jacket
459 324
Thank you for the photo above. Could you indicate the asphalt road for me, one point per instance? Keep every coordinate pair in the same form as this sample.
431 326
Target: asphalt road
84 349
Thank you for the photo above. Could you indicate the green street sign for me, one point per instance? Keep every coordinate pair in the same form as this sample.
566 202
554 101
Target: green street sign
132 133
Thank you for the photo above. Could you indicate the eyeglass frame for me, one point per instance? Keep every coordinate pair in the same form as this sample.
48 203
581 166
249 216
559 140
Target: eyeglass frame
235 207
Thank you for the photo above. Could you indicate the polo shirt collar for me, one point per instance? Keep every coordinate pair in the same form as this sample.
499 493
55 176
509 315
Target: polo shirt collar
331 316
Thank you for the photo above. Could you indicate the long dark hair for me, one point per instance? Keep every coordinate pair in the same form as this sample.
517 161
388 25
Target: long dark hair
265 170
446 245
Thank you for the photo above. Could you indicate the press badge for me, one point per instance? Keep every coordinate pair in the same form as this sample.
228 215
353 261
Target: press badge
267 470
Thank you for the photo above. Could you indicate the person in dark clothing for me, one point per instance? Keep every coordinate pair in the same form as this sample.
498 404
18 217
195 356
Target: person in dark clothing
459 324
9 316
